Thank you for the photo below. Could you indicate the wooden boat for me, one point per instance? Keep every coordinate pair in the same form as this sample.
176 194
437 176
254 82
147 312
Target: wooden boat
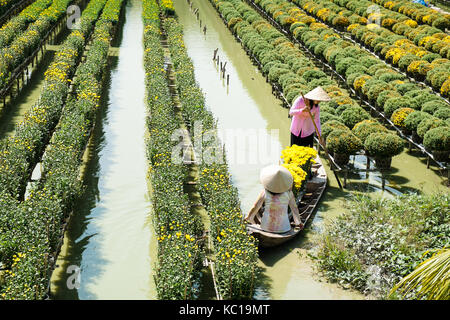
306 203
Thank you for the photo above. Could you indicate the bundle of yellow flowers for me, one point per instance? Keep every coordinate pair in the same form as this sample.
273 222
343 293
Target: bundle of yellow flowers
298 155
445 89
298 174
298 161
360 81
352 26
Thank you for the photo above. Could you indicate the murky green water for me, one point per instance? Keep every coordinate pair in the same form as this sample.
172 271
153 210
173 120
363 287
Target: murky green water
248 109
110 237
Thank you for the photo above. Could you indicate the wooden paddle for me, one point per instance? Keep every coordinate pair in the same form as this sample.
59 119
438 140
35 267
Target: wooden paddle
320 139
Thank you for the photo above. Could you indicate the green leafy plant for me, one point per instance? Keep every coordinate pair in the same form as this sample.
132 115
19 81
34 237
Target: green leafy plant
353 115
366 127
383 144
343 142
437 139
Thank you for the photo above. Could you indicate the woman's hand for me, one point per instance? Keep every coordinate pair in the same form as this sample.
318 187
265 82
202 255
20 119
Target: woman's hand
307 105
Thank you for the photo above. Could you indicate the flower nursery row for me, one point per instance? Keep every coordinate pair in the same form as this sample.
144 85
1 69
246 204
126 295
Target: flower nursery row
31 230
372 79
286 65
374 13
234 250
19 23
323 41
395 49
27 42
24 148
179 255
418 12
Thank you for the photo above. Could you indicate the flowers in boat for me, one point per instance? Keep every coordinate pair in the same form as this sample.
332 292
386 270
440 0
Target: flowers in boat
298 160
298 174
298 155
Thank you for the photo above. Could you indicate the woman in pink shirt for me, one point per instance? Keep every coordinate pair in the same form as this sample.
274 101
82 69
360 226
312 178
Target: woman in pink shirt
302 127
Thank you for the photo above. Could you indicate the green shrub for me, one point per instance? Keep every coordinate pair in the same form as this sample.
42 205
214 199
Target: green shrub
366 127
437 139
376 89
382 144
343 141
423 98
431 106
393 104
328 109
430 57
385 95
414 118
442 113
313 74
330 125
441 23
344 107
325 117
428 124
406 60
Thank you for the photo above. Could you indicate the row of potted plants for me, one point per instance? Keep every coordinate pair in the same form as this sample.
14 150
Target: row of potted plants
328 45
19 23
297 71
375 81
395 49
383 15
234 250
27 42
177 228
431 38
384 87
31 231
418 12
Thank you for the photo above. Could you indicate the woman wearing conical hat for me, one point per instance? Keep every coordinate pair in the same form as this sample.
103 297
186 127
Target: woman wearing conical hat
302 127
277 196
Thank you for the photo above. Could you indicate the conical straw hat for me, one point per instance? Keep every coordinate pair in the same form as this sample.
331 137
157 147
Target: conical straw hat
317 94
276 179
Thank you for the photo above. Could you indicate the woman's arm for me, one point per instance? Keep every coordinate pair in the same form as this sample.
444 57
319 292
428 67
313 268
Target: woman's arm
256 206
294 209
299 108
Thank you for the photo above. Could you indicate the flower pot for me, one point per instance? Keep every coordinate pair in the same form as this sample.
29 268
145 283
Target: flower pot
441 156
341 159
383 163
